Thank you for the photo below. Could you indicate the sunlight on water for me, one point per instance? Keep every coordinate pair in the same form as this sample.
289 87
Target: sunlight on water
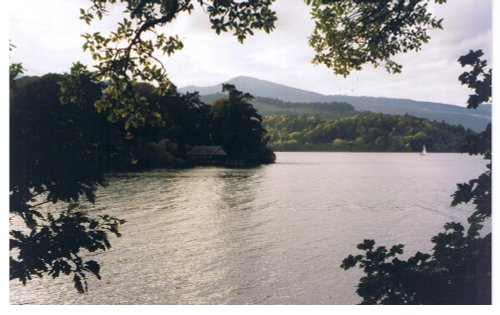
276 234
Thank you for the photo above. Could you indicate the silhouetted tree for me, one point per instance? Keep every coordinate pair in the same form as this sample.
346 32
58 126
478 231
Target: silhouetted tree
57 155
164 143
237 127
477 78
347 34
60 149
458 271
351 33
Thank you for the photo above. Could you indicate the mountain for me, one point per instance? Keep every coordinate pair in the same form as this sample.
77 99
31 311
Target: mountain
452 114
262 88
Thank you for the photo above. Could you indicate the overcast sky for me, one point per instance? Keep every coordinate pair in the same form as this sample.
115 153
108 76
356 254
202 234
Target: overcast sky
47 36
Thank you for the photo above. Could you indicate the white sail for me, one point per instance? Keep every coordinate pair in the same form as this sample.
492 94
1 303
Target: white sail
424 151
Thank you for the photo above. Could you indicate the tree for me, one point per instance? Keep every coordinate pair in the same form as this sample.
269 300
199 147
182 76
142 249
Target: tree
236 125
364 132
126 57
184 123
60 149
459 269
347 34
350 34
57 155
477 78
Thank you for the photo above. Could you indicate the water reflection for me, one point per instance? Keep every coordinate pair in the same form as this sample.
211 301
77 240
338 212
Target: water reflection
244 255
268 235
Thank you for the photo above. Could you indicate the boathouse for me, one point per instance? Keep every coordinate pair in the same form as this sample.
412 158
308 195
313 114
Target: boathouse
206 154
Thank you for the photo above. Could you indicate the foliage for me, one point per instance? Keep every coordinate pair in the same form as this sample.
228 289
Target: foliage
364 132
455 273
347 35
61 148
54 246
459 269
351 33
128 55
57 155
185 123
477 79
236 125
477 191
15 71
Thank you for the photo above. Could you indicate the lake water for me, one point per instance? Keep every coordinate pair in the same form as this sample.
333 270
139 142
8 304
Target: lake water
276 234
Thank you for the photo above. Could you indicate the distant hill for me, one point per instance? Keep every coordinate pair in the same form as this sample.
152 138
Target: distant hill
263 88
452 114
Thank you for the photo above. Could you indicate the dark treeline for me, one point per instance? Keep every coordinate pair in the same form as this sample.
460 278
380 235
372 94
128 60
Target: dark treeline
331 110
45 128
271 106
364 132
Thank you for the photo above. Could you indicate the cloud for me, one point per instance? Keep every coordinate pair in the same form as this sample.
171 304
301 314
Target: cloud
48 36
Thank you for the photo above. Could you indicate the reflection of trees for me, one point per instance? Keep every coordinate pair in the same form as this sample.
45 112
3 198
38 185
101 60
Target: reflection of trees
243 253
238 187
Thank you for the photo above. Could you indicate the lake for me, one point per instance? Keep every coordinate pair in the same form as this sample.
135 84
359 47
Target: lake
275 234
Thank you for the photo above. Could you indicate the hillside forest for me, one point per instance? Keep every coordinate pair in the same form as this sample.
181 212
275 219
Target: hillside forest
373 132
271 106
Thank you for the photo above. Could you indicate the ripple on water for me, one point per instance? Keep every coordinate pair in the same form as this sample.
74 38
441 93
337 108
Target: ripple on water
270 235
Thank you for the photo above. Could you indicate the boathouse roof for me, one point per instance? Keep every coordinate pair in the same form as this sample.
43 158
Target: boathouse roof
207 150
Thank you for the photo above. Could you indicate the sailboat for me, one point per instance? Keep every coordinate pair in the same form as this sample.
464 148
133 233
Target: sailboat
424 151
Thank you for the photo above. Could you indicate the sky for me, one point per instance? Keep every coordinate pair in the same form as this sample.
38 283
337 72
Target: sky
47 37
